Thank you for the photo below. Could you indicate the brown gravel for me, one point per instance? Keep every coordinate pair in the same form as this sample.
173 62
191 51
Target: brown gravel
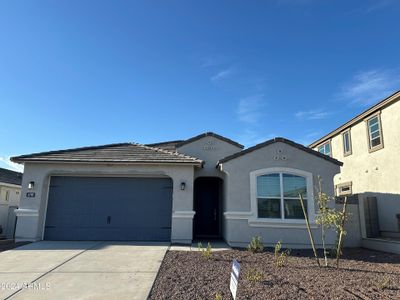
363 274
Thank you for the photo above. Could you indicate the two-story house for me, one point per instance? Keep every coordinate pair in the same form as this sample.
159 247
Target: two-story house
369 147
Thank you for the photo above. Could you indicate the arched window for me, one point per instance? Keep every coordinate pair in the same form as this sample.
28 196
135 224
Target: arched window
275 194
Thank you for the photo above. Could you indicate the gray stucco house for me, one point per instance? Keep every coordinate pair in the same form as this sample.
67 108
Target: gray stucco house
203 187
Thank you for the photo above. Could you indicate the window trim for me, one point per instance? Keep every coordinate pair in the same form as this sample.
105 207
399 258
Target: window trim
342 185
7 196
380 146
256 221
330 148
350 144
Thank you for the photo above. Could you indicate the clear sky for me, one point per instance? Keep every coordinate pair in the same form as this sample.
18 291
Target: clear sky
80 73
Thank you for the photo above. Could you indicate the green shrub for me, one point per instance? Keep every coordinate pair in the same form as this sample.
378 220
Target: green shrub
205 252
256 245
384 283
218 296
253 275
279 255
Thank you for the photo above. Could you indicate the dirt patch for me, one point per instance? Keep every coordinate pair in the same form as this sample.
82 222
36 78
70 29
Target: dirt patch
363 274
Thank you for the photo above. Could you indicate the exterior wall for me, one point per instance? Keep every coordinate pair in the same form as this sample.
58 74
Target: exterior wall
210 150
32 211
374 173
13 200
353 236
239 218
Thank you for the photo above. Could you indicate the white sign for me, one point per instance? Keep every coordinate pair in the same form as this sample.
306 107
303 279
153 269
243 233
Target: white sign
234 278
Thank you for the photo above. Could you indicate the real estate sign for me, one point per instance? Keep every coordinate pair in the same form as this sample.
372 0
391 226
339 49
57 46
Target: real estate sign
234 278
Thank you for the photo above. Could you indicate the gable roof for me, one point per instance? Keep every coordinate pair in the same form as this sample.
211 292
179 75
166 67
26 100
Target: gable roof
111 153
282 140
217 136
380 105
12 177
168 145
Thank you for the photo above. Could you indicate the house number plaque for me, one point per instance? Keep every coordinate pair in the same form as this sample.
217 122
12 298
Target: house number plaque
209 146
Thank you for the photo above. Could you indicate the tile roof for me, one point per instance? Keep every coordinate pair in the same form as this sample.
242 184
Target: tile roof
168 145
217 136
282 140
12 177
112 153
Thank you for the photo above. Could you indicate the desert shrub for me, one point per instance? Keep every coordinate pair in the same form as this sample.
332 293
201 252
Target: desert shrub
256 245
218 296
279 255
205 252
384 283
254 275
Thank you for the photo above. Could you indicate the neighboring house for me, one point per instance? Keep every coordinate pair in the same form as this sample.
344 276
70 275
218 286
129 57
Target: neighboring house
203 187
369 147
10 193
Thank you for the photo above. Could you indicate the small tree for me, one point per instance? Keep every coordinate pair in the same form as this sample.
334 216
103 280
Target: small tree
327 217
341 231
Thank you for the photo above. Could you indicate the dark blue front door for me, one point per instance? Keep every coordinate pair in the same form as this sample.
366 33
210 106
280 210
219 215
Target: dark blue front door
207 201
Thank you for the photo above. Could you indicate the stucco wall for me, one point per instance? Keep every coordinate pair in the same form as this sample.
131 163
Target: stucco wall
31 214
210 150
376 172
238 228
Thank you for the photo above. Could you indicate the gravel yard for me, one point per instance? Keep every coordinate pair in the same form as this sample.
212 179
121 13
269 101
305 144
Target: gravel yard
363 274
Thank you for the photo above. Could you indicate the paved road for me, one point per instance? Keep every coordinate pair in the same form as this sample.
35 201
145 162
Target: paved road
80 270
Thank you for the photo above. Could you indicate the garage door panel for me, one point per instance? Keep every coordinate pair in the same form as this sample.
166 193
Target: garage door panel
109 208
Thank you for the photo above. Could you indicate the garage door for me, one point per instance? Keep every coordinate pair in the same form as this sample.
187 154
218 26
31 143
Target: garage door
109 208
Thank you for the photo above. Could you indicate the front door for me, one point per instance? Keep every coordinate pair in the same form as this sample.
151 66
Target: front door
207 191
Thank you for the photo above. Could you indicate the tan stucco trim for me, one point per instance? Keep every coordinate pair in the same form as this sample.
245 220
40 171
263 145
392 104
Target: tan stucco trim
10 185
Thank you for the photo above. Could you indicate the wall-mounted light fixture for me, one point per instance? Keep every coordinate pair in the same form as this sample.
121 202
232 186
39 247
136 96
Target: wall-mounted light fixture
183 186
31 185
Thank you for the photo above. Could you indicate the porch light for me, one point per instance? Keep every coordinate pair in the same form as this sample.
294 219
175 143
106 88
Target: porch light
183 186
31 185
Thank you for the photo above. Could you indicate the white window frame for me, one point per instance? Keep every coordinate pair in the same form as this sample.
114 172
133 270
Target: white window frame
323 145
256 221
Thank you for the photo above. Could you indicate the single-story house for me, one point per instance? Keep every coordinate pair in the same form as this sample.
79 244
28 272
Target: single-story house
205 187
10 193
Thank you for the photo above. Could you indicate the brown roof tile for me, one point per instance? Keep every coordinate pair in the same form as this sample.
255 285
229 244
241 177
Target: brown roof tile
112 153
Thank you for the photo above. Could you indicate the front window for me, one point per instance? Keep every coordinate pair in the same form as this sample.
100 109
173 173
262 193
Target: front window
346 143
374 133
278 196
325 149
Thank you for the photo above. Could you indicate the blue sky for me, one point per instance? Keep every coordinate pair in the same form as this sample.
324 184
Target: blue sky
79 73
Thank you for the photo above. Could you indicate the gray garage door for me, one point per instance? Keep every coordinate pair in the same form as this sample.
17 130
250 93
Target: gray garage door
109 208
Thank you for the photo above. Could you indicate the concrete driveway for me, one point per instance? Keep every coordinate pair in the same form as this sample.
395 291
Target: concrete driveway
80 270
